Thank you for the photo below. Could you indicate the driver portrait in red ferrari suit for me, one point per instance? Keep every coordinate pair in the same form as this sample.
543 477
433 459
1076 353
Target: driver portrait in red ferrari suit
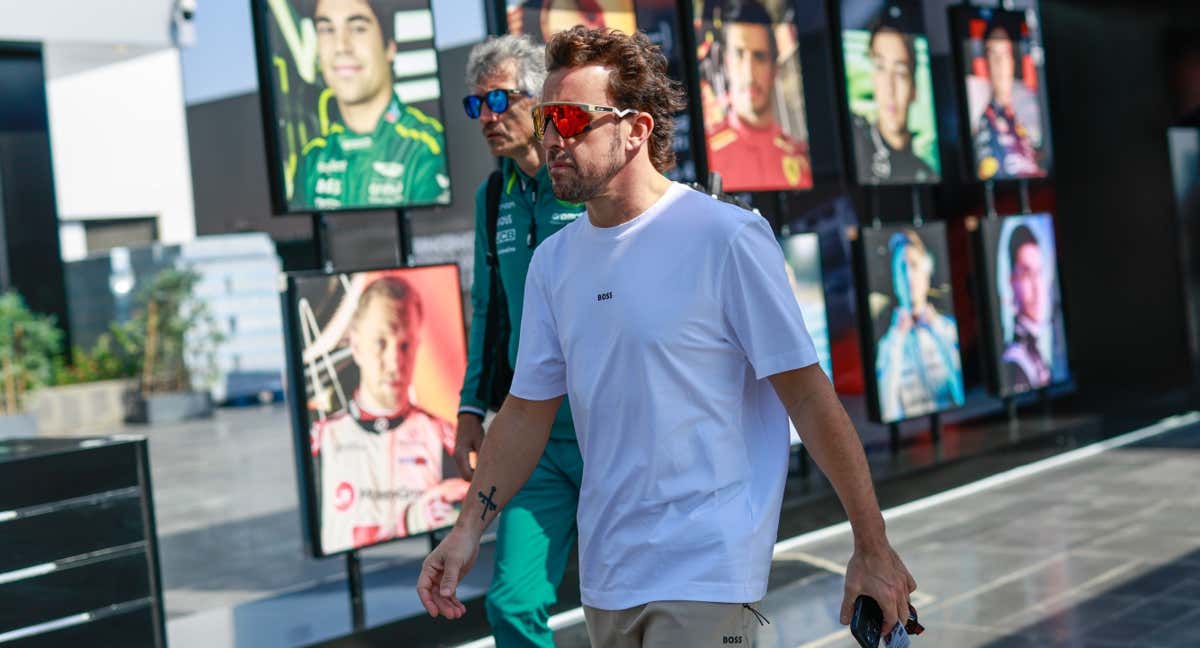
748 147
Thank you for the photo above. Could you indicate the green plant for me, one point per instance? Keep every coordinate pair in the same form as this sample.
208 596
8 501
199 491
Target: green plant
28 344
172 329
113 356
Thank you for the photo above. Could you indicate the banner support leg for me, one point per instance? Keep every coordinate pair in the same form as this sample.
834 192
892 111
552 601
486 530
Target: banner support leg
321 243
358 613
404 244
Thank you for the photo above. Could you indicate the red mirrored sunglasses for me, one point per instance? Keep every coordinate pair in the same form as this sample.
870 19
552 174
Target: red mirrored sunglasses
570 119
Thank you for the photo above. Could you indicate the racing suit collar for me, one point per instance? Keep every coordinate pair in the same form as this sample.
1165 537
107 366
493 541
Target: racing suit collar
510 168
736 123
879 141
1001 111
378 422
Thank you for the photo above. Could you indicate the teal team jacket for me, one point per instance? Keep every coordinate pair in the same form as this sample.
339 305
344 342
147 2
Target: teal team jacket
521 199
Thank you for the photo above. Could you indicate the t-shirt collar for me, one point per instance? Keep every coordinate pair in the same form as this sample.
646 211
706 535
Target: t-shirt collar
672 195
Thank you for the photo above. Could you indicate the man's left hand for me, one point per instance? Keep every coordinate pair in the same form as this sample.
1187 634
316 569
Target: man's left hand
878 572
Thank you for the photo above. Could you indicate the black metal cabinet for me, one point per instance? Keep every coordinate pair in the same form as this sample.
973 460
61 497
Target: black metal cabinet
78 551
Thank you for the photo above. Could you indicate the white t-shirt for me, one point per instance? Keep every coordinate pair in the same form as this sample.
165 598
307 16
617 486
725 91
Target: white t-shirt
663 330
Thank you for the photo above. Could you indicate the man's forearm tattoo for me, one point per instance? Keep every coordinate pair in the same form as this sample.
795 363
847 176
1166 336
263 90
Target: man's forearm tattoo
489 504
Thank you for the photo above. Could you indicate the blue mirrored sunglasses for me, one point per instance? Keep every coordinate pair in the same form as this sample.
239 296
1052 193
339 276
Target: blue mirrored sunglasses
497 101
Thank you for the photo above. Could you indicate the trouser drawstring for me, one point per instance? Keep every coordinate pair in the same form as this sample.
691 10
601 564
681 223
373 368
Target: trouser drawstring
762 620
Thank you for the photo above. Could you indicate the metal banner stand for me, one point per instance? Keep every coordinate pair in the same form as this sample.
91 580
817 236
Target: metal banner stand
322 244
358 611
918 215
1023 187
989 198
935 421
404 243
876 222
802 466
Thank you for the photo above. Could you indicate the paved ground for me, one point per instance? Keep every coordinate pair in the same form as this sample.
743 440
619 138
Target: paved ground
1071 558
234 566
1102 553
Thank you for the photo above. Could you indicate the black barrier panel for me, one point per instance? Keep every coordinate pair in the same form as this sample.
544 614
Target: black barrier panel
129 630
75 474
38 539
75 590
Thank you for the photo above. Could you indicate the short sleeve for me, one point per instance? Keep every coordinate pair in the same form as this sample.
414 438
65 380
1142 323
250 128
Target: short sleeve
760 310
540 373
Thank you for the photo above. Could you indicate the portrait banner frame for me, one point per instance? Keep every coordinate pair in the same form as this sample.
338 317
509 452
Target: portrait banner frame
435 382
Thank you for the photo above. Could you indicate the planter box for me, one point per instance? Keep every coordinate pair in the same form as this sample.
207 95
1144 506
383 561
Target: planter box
18 425
85 408
167 408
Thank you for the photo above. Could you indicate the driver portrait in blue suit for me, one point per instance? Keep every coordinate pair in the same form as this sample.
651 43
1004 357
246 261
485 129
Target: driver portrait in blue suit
917 364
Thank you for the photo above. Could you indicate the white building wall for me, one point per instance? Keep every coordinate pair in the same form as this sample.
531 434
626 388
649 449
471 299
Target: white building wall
133 22
119 139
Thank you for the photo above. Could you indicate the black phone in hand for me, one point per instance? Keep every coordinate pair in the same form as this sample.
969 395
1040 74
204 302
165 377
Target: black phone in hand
866 626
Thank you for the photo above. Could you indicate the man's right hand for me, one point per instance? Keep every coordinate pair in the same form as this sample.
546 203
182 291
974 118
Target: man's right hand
443 570
468 440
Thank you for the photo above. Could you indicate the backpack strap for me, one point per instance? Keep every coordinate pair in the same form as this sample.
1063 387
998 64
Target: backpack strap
496 372
494 186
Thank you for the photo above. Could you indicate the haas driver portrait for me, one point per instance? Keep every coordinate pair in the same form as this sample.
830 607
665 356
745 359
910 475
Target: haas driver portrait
379 151
379 463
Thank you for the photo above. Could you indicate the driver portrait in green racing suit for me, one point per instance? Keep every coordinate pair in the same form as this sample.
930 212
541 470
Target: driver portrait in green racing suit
382 152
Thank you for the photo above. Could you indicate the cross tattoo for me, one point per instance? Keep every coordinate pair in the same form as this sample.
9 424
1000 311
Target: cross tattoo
488 503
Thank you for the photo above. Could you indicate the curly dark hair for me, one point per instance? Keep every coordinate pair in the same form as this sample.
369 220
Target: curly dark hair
637 78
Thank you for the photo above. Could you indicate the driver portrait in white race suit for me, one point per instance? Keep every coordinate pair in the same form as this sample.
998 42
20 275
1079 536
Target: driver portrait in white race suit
379 461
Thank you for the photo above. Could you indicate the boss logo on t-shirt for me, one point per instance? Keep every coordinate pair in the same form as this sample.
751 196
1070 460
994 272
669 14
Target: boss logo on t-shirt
731 640
604 296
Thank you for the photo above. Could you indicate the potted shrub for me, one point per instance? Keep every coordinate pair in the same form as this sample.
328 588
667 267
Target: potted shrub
173 330
28 344
89 392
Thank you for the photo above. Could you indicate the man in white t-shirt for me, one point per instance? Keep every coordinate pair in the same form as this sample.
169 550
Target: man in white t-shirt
667 317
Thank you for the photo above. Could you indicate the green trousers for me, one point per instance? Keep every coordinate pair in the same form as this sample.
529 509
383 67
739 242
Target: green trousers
534 537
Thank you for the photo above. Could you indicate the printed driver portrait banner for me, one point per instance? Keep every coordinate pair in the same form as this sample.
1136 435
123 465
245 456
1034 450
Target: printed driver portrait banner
382 356
752 89
355 103
542 19
1028 339
802 253
911 353
889 88
1004 82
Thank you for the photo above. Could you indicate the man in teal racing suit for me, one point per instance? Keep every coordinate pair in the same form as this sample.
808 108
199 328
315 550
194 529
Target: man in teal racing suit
537 531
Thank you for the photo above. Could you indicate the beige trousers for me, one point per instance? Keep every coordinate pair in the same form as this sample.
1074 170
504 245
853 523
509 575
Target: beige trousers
667 624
